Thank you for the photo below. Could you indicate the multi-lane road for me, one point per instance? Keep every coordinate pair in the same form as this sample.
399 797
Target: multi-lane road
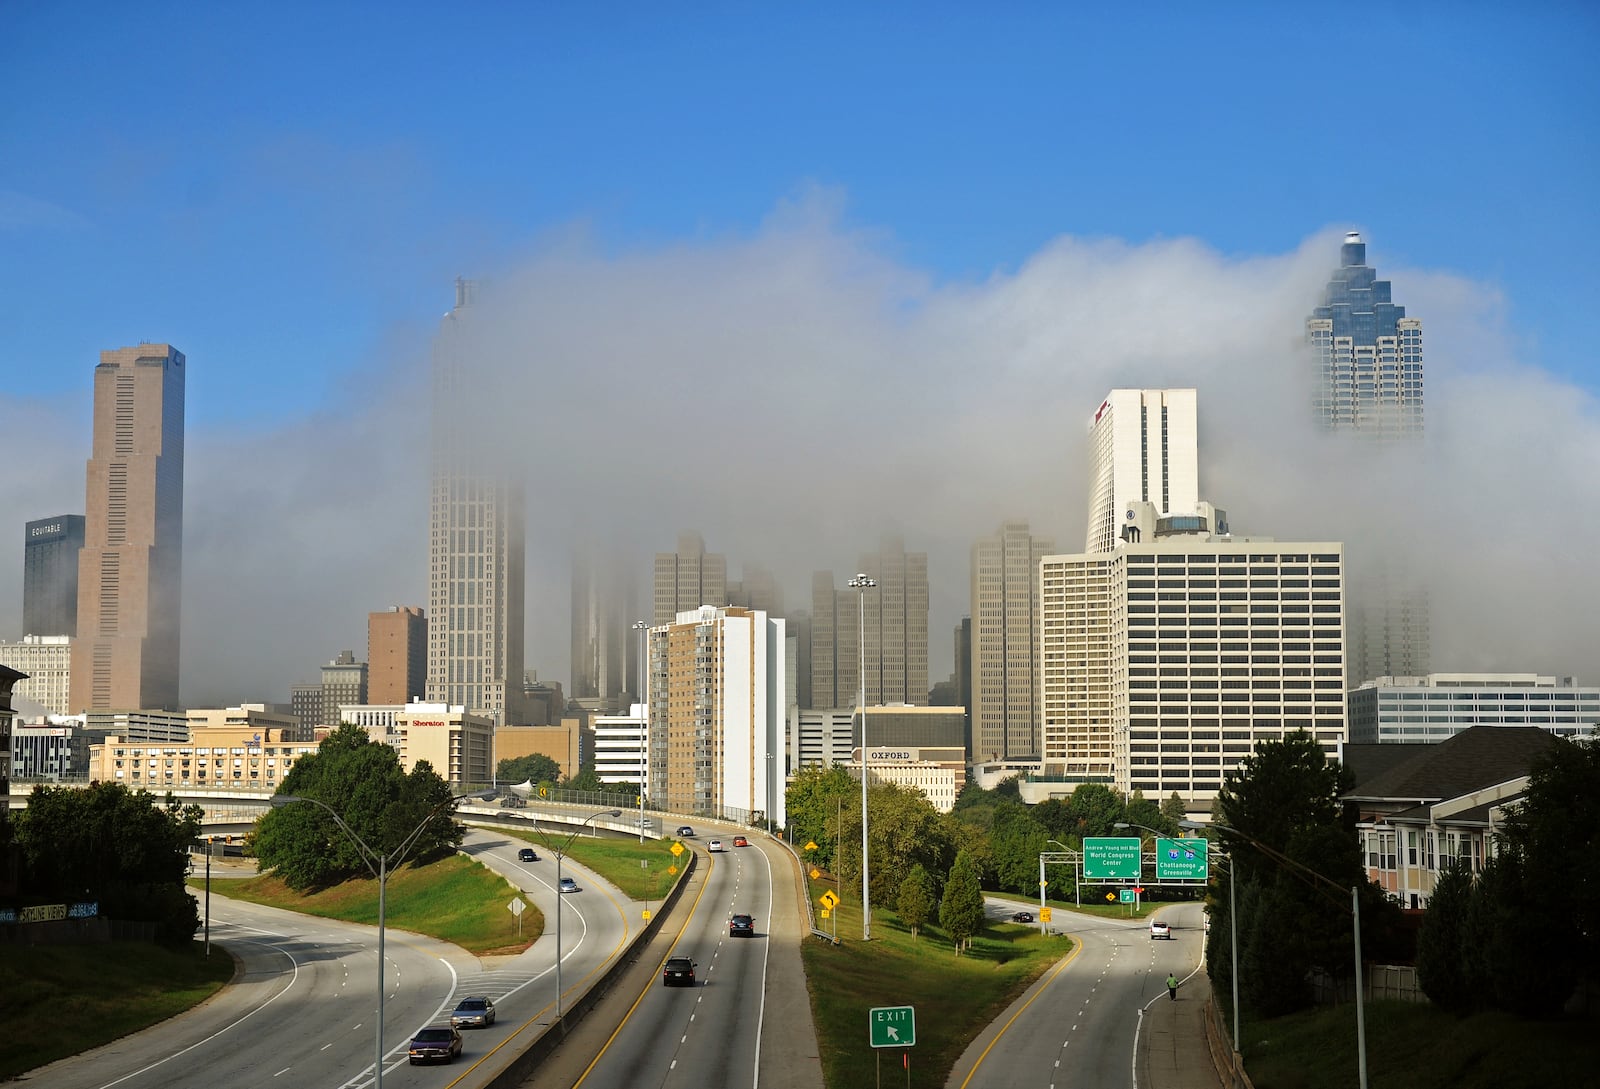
1081 1024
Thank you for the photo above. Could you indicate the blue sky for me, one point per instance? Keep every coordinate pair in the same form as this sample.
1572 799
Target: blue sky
968 211
275 186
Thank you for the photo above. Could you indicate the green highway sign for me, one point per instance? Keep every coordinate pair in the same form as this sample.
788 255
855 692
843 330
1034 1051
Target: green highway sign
892 1026
1111 858
1181 860
1127 896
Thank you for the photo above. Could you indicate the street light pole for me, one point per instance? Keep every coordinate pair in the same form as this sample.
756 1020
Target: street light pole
381 872
644 713
560 853
861 584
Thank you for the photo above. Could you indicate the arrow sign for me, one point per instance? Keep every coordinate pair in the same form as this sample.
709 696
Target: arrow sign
892 1026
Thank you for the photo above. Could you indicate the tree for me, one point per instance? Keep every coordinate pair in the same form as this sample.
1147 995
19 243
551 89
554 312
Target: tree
1018 840
362 781
903 830
1441 943
1173 809
1094 808
961 910
814 800
537 768
915 903
586 779
119 847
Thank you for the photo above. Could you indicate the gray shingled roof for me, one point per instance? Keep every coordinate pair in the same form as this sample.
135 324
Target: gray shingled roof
1477 757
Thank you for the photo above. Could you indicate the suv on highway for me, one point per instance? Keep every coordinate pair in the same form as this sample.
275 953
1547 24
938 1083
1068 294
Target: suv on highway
741 926
527 854
679 972
1159 929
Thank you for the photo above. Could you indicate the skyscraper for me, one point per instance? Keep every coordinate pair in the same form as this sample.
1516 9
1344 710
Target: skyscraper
50 575
1369 354
1005 642
1369 382
130 570
689 578
605 652
397 654
344 682
896 622
476 545
1143 447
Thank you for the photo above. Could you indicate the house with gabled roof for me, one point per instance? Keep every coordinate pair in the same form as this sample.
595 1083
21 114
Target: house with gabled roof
1420 807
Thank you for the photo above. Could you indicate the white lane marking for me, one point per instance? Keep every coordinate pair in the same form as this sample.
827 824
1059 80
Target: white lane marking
282 1072
766 953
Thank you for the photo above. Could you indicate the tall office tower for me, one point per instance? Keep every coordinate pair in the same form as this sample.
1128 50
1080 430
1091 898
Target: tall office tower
1005 642
717 716
1368 352
344 681
757 588
397 654
688 578
130 570
963 645
305 706
605 652
1143 447
1369 381
477 553
50 575
1167 659
896 623
47 660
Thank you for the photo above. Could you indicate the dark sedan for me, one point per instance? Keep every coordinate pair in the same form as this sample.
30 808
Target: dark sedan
435 1045
741 926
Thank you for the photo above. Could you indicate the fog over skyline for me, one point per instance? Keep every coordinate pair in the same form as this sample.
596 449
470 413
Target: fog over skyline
796 391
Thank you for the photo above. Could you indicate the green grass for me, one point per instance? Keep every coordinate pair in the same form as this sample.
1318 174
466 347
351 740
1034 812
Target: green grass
617 860
955 997
1416 1046
454 899
59 1000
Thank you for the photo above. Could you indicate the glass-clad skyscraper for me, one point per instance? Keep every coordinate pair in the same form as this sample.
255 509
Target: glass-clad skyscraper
1369 352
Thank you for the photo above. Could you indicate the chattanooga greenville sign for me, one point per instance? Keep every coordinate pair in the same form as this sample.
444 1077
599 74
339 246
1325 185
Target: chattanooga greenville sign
45 913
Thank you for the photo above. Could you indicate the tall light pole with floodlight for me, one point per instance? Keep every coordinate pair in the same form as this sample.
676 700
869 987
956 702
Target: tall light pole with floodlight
560 853
380 870
644 711
861 584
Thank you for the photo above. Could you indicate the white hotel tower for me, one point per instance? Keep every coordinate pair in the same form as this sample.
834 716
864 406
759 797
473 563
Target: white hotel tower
1143 446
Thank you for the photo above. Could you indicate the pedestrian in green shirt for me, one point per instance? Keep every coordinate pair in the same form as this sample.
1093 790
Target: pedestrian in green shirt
1172 987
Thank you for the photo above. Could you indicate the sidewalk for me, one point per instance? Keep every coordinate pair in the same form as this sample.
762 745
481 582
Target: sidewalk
1173 1039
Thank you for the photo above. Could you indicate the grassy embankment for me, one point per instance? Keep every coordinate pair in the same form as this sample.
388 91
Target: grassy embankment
461 901
59 1000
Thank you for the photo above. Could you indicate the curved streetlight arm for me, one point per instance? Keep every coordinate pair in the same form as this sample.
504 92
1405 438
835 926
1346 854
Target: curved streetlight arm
376 861
560 853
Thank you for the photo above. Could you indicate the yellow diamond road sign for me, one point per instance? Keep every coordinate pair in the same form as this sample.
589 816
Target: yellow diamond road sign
830 900
810 846
815 873
677 849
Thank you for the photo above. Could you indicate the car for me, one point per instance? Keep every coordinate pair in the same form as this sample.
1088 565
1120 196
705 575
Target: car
740 841
476 1010
678 972
685 832
434 1045
1022 916
714 845
527 854
1159 929
569 885
741 926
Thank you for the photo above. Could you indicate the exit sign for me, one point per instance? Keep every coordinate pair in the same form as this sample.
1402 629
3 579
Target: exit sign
892 1026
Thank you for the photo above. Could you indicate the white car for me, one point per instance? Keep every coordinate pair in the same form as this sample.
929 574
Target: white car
714 845
569 885
1159 929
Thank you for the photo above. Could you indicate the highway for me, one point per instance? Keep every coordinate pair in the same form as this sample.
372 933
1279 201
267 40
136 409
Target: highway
1079 1025
302 1015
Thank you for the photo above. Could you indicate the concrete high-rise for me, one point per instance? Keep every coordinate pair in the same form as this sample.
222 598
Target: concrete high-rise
896 622
1167 659
130 570
1143 447
688 578
717 722
477 553
1368 356
1368 353
50 550
1005 643
344 682
397 654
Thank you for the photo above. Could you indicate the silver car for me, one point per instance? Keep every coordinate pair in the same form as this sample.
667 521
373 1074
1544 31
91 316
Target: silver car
474 1011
